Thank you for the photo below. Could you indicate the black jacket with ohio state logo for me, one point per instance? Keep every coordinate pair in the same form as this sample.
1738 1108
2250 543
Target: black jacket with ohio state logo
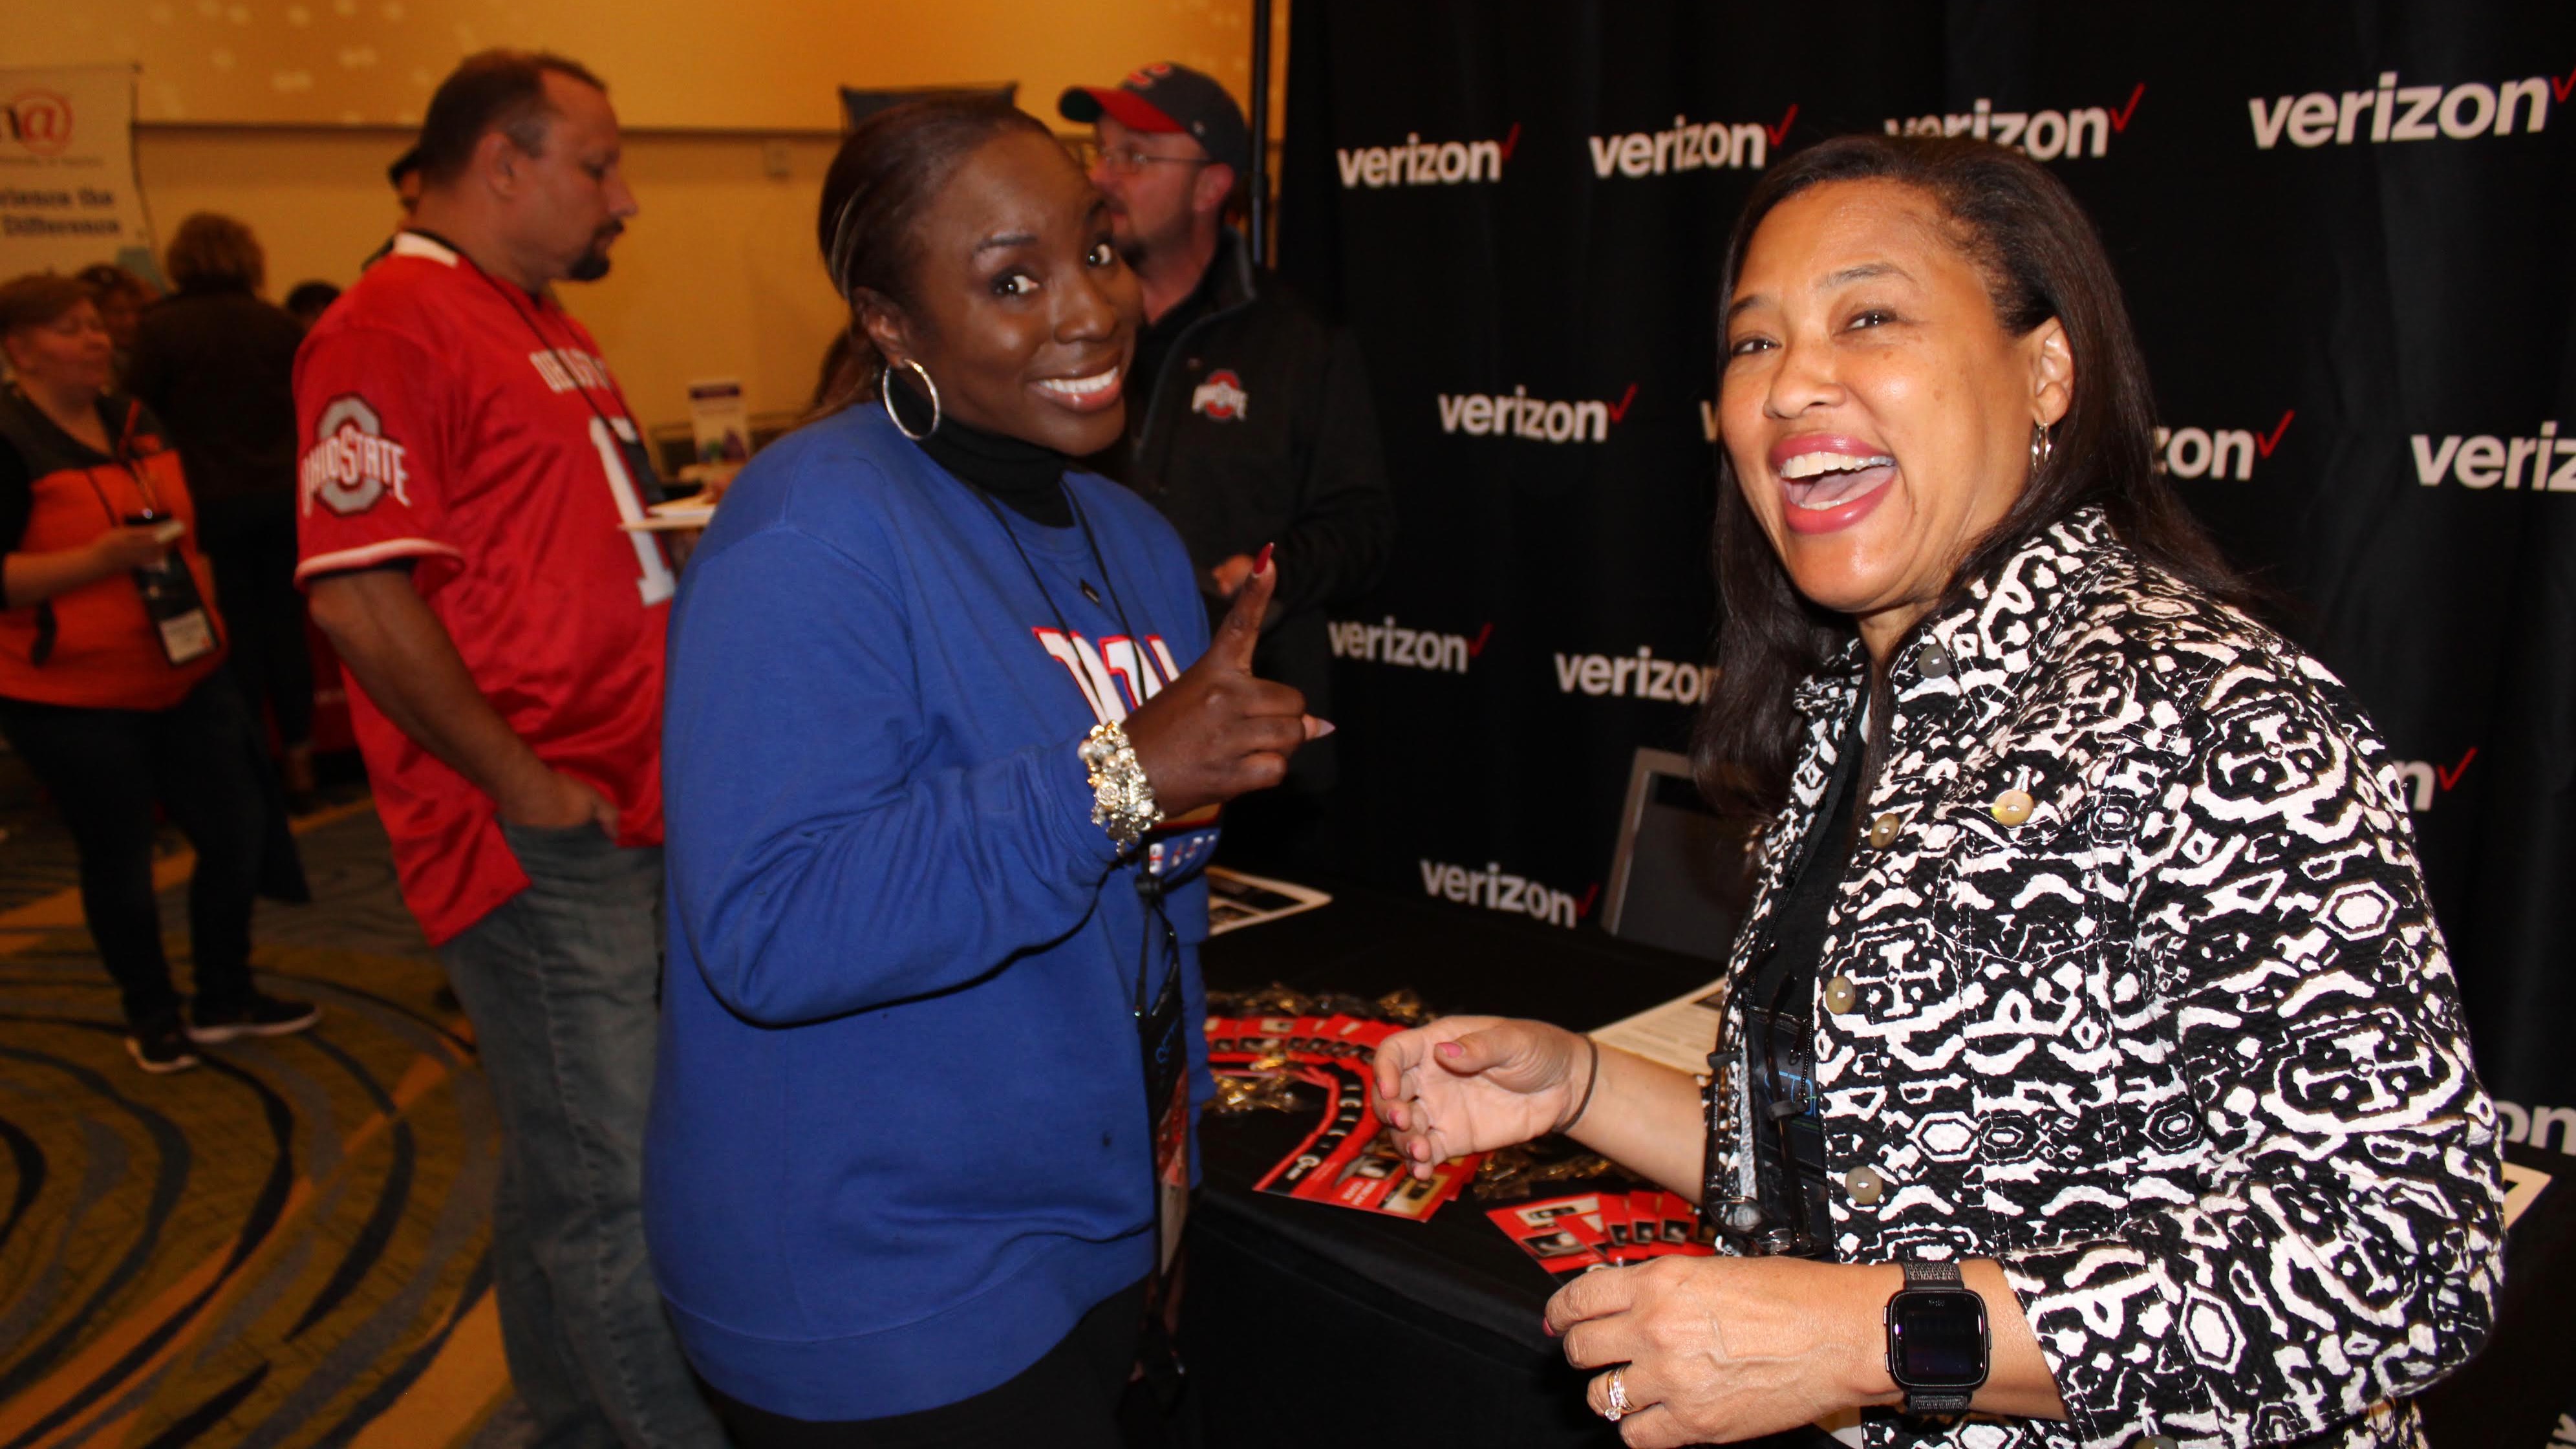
1258 429
2133 986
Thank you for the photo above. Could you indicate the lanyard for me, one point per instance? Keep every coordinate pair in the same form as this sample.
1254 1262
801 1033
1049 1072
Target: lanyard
1149 887
510 298
133 466
120 451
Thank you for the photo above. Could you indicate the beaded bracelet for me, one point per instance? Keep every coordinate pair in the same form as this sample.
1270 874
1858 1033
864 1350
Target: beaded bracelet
1122 799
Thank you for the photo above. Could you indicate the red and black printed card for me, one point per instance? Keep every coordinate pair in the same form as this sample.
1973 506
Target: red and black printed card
1349 1159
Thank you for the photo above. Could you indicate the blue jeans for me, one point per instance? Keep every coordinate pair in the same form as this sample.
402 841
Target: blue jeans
563 985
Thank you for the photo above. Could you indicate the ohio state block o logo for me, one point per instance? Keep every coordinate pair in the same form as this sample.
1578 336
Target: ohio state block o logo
1221 397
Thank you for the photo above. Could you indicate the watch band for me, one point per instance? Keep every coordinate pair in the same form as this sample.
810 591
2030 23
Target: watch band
1934 1275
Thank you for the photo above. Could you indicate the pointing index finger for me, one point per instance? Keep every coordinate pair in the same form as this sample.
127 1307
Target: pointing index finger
1240 634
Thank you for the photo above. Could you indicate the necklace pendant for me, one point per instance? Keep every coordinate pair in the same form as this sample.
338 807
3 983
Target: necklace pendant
1088 591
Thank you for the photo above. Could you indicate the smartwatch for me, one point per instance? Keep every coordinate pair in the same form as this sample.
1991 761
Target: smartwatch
1937 1344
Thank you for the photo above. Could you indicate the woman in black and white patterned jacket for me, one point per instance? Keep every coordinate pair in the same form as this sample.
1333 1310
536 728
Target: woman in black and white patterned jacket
2093 1070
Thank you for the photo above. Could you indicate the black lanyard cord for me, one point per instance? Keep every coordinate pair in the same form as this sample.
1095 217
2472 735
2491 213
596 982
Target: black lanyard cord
1149 887
509 297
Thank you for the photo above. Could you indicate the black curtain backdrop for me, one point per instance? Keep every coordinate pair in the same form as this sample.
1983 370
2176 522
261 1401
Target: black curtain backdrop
2344 230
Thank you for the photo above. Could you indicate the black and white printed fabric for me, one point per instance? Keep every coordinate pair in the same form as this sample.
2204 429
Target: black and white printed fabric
2146 1001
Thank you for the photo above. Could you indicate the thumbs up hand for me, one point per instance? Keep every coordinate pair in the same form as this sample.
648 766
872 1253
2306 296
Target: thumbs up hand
1217 732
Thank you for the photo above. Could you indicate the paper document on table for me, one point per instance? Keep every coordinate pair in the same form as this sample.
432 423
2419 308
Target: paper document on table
1236 900
1679 1034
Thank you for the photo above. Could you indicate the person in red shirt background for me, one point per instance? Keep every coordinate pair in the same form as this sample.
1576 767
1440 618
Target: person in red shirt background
108 693
467 460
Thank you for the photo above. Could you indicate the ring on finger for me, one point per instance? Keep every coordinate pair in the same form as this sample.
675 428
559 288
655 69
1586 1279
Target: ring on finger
1619 1408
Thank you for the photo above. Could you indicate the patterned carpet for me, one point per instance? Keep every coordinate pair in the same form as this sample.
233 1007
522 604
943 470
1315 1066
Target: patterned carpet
286 1247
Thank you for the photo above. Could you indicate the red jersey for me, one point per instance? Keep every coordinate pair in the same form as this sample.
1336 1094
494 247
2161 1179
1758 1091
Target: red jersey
454 421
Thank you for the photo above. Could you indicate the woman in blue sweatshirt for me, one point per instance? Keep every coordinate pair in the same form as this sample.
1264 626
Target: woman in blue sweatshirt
926 695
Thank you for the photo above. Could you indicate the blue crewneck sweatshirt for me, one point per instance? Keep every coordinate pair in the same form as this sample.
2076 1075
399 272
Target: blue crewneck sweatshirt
898 1136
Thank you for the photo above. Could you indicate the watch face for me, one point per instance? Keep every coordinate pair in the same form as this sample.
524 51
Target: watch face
1937 1339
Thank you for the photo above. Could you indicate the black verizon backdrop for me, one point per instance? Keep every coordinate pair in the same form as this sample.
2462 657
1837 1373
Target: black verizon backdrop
2345 231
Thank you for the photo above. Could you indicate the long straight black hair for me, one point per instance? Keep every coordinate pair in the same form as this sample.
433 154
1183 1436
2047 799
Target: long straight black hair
2041 259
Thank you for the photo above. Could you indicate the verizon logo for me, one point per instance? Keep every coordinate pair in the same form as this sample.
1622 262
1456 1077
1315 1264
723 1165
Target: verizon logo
2041 135
1426 163
2418 779
1496 891
2531 1125
1392 643
1634 676
2408 113
1518 415
1690 146
2484 461
2208 452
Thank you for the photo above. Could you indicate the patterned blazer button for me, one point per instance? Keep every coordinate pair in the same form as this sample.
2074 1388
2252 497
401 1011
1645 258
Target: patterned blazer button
2155 1441
1865 1186
1882 831
1840 994
2012 807
1933 661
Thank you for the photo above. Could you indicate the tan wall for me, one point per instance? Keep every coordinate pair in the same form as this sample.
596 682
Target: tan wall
716 278
284 112
750 63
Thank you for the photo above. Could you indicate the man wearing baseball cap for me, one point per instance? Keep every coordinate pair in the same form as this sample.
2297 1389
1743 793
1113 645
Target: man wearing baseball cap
1248 416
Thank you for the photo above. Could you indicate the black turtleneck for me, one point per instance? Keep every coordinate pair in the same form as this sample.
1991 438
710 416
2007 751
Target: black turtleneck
1021 476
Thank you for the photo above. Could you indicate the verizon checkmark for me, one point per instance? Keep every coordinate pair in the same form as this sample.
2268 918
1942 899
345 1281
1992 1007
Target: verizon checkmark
1511 138
1477 646
1583 907
1619 409
2451 776
1780 132
2560 88
2120 117
2274 441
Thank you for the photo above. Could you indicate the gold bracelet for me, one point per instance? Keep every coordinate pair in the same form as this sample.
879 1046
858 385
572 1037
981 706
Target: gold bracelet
1122 799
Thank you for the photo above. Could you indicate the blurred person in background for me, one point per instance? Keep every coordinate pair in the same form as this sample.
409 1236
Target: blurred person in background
469 458
1248 415
404 176
217 363
307 301
109 643
121 298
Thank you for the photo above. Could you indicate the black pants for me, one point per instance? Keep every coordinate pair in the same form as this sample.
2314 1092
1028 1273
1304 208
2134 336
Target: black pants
1076 1397
107 769
251 542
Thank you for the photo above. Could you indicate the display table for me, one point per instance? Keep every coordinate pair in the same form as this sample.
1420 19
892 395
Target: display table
1309 1324
1421 1332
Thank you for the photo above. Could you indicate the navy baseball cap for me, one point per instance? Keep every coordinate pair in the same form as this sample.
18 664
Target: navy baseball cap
1164 98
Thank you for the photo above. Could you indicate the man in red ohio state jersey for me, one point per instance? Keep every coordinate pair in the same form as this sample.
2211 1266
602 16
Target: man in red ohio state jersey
468 459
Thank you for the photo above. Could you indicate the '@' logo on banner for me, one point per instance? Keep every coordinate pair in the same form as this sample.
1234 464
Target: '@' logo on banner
41 121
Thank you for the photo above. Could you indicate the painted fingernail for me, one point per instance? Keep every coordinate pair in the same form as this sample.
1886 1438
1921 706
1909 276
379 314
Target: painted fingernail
1451 1050
1324 727
1261 565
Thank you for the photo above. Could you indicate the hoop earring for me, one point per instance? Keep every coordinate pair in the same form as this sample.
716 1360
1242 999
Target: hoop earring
885 394
2041 446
